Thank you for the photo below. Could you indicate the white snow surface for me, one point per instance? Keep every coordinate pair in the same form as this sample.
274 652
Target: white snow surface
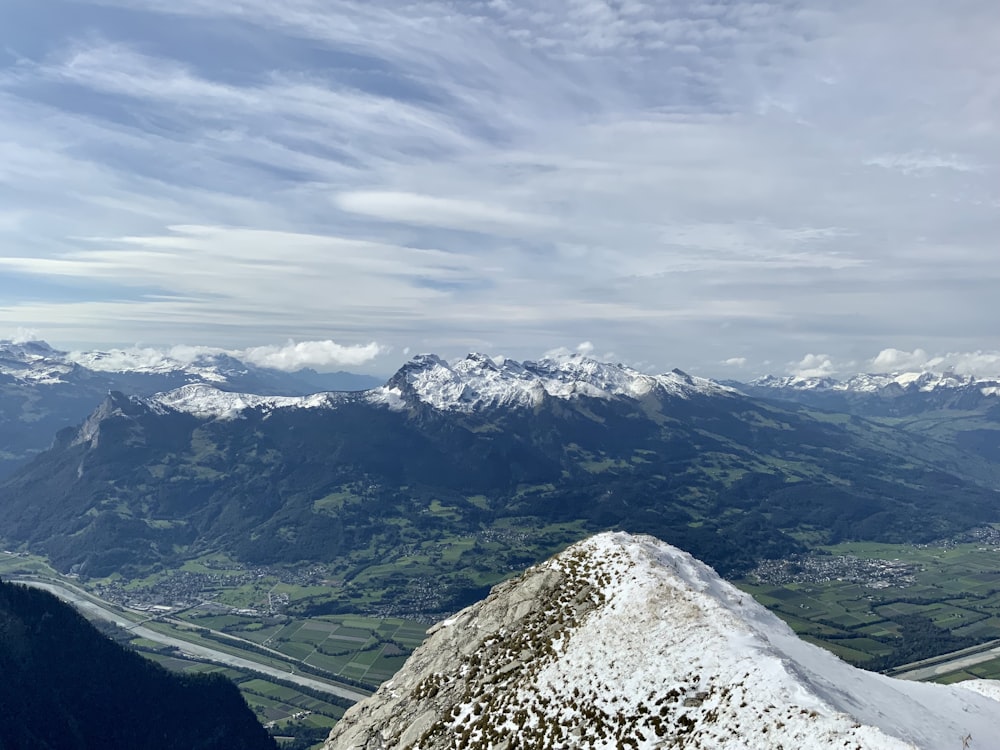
205 401
876 382
625 641
202 367
478 381
669 622
38 363
466 385
33 362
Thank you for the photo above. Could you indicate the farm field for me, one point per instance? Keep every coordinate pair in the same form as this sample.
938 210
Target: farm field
859 600
366 651
987 670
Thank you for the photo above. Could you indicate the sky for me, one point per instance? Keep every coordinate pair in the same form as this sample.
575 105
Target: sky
728 187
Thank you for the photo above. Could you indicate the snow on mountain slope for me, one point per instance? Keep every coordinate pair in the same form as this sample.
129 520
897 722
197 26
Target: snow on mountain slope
204 367
924 382
470 384
207 402
37 362
478 381
33 362
625 641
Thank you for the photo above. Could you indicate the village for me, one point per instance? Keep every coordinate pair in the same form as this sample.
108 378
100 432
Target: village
180 590
874 574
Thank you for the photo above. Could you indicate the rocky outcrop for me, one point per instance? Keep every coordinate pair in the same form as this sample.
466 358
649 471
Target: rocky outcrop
626 642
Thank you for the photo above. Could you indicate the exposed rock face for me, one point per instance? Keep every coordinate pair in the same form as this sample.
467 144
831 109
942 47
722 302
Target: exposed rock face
626 642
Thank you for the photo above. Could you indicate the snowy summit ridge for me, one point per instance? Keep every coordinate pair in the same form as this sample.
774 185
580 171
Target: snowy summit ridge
471 384
625 641
479 381
896 382
33 362
37 362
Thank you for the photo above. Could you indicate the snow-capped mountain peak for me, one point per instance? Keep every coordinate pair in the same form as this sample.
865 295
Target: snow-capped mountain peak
37 362
924 381
796 382
205 367
474 383
625 641
478 381
205 401
33 362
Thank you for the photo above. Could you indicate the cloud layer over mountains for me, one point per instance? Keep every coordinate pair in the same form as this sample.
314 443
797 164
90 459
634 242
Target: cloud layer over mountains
728 180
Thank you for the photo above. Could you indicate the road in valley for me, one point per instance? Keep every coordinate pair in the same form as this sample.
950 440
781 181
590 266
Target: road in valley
942 665
87 603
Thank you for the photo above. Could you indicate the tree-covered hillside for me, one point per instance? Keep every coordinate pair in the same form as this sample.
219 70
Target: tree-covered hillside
731 479
64 686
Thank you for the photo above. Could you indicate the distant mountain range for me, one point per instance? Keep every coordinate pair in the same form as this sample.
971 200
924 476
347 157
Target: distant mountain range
882 394
422 490
898 382
43 390
547 451
961 410
628 642
475 384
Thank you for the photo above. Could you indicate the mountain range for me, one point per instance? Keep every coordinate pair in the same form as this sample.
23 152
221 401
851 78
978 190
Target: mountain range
897 394
416 494
43 390
514 459
627 642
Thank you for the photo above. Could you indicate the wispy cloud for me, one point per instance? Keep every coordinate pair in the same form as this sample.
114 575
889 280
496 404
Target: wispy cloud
978 363
813 366
921 163
676 181
435 211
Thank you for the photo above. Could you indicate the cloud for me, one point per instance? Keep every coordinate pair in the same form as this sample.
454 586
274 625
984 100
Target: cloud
735 362
583 349
316 354
813 366
895 360
453 213
981 364
919 163
977 363
24 335
685 179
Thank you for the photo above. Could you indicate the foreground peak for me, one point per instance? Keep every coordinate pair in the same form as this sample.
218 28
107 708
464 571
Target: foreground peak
626 641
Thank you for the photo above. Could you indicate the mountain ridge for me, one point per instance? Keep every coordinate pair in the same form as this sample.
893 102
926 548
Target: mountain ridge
925 381
474 383
36 362
548 451
43 390
626 641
